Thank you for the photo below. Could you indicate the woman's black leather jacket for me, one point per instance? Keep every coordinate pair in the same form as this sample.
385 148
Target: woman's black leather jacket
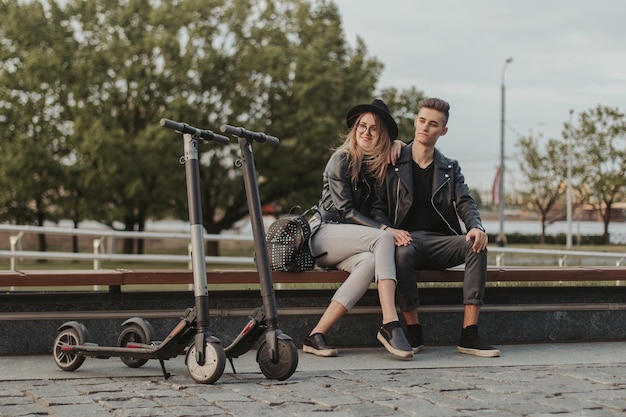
345 201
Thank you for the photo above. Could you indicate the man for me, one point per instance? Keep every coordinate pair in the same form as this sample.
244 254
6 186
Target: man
423 197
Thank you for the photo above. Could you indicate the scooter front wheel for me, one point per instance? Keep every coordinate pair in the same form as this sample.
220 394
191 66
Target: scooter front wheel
214 363
287 360
67 360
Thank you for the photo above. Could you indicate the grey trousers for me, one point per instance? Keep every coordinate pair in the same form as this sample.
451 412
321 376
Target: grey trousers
365 252
436 251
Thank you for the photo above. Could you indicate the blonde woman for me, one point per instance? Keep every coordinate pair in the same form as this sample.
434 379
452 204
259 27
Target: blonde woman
350 239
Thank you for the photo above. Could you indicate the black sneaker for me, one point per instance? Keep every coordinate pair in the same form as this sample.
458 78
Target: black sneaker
395 341
471 344
415 337
316 344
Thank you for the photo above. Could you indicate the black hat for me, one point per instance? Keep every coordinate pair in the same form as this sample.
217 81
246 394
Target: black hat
378 107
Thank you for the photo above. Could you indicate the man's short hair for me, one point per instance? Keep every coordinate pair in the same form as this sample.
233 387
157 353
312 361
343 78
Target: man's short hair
436 104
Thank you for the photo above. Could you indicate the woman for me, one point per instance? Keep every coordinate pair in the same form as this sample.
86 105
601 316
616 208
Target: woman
351 240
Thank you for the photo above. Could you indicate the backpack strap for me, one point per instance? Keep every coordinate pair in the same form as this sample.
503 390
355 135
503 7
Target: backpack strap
315 221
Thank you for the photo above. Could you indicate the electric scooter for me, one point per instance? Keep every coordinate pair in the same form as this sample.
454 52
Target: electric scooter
205 358
277 355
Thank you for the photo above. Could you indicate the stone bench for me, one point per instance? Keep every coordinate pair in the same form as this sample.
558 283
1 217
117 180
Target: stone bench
117 279
539 304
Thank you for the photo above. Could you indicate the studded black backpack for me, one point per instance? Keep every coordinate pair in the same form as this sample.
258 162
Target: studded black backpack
288 242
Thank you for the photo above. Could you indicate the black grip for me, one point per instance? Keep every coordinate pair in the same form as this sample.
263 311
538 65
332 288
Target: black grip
194 131
243 133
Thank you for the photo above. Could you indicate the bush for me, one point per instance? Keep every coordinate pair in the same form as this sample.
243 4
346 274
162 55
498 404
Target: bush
559 239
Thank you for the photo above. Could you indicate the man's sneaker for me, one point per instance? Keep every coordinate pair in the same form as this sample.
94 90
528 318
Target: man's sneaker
393 339
471 344
415 337
316 344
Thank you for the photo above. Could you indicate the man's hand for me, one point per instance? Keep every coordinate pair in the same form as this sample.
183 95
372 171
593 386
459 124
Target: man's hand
396 148
480 239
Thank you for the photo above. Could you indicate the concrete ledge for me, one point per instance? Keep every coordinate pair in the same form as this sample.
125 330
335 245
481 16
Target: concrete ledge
511 315
354 330
298 311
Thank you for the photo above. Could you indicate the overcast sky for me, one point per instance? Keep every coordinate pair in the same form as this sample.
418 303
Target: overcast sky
567 54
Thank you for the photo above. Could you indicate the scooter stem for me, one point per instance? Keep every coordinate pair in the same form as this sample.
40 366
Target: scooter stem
258 232
200 290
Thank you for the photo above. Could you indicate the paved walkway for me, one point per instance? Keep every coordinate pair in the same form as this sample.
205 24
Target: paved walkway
527 380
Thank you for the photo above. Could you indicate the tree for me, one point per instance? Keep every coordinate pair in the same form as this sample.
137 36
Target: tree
403 104
118 66
326 78
287 72
601 138
545 176
34 124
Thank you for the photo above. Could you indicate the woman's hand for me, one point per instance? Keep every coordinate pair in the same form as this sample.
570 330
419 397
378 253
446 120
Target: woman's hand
400 237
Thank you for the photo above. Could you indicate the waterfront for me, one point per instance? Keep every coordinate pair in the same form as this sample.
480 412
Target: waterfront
531 227
617 229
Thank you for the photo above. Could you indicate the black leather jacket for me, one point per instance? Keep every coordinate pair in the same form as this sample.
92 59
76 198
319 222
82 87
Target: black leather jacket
342 200
450 196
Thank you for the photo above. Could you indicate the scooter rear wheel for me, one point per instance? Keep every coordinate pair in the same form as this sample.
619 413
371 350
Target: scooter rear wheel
68 361
214 363
132 334
287 360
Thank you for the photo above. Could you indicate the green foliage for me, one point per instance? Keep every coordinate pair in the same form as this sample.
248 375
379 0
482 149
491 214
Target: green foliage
600 139
404 107
545 175
598 166
558 239
83 85
32 96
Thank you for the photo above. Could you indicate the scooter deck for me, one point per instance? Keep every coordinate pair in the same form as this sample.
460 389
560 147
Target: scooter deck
135 350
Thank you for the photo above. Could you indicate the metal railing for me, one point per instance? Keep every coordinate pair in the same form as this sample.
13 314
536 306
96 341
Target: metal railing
104 247
562 255
106 238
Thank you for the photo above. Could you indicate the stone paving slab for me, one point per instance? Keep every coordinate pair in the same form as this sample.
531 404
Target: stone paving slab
528 380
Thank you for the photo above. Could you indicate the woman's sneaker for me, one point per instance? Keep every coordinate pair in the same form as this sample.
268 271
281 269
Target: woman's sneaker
393 339
316 344
472 344
415 337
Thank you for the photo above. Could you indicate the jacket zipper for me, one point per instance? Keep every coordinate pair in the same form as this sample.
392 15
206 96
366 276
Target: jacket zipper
432 202
395 214
369 190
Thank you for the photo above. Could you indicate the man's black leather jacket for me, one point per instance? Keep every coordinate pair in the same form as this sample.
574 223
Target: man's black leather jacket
450 196
344 201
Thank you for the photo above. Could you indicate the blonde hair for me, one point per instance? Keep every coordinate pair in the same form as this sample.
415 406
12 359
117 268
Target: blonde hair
374 161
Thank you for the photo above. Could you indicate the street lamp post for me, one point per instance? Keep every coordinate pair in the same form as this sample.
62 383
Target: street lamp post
568 239
501 184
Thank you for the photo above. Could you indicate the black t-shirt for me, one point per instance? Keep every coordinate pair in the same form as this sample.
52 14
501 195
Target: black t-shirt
422 216
366 184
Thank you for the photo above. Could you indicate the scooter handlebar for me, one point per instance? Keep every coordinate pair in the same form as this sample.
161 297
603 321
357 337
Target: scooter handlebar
194 131
243 133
